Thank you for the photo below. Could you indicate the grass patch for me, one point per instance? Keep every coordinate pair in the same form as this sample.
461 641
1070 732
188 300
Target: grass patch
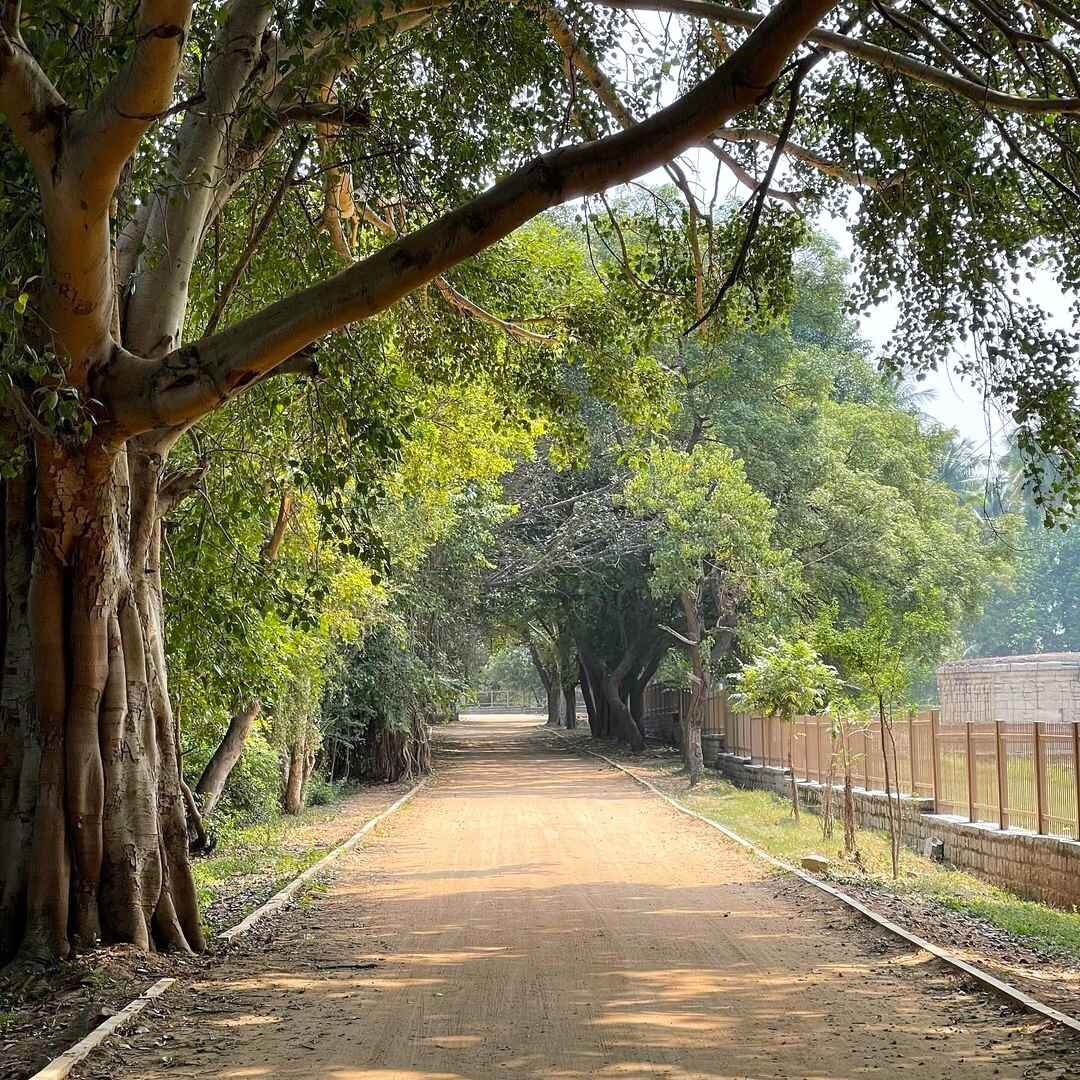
253 862
765 819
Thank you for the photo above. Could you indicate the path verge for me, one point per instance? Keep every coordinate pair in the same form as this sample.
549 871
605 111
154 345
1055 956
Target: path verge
59 1068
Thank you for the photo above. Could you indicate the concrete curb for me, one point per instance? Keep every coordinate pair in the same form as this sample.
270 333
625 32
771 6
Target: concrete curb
984 977
61 1067
280 899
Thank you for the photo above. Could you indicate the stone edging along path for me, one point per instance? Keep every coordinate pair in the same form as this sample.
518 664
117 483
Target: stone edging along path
60 1067
978 974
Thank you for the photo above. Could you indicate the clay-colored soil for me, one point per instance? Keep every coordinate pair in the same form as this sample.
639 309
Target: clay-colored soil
534 914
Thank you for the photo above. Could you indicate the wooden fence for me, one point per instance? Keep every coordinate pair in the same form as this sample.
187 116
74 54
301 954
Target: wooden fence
1015 775
663 709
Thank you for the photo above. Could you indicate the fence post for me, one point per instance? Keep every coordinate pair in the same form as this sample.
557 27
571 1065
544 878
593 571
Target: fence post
865 759
1002 777
934 778
1076 773
822 773
911 749
970 773
1040 810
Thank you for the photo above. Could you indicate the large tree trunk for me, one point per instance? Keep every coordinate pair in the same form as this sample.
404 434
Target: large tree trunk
636 704
294 777
212 782
97 846
591 709
551 676
625 729
609 687
695 714
570 703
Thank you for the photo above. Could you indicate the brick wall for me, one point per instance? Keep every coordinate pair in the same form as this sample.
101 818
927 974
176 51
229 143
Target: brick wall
1044 868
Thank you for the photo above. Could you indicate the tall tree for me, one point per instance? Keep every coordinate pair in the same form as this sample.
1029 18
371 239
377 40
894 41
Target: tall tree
129 137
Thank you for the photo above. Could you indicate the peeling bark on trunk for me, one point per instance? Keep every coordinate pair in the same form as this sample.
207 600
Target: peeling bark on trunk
212 782
96 834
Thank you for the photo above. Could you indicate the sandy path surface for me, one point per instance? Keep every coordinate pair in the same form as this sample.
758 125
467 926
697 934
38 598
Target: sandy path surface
534 914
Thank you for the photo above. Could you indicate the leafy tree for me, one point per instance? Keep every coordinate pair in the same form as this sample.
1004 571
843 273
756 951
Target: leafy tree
786 680
878 657
710 545
142 149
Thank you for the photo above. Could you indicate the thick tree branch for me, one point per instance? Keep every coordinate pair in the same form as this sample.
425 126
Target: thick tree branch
179 485
886 59
157 310
106 135
456 300
326 112
566 39
189 382
31 104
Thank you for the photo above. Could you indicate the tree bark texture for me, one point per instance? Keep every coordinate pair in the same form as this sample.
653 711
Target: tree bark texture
591 710
295 758
569 703
93 815
550 674
212 781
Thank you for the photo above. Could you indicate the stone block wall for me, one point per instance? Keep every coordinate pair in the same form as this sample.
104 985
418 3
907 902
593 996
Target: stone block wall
1044 868
1024 689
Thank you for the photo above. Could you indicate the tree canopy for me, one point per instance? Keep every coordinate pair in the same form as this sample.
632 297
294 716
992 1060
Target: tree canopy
286 293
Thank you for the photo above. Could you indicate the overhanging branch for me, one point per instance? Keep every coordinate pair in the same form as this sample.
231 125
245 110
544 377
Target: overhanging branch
886 59
191 381
106 135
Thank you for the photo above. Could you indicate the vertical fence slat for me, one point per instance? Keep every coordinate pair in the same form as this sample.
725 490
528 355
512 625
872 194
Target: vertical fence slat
971 774
935 769
1040 808
1002 777
822 773
911 750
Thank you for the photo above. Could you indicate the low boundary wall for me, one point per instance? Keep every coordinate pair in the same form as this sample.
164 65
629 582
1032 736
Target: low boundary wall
1044 868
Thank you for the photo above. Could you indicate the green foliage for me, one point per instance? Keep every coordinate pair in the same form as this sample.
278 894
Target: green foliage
708 520
880 654
787 679
511 668
321 791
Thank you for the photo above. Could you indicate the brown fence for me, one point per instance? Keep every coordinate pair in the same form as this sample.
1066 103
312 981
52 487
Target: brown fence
1015 775
663 708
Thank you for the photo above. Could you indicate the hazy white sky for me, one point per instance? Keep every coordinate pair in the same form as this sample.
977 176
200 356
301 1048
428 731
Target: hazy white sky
950 400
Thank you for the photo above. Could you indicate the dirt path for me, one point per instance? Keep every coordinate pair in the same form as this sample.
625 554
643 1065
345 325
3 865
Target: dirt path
535 914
